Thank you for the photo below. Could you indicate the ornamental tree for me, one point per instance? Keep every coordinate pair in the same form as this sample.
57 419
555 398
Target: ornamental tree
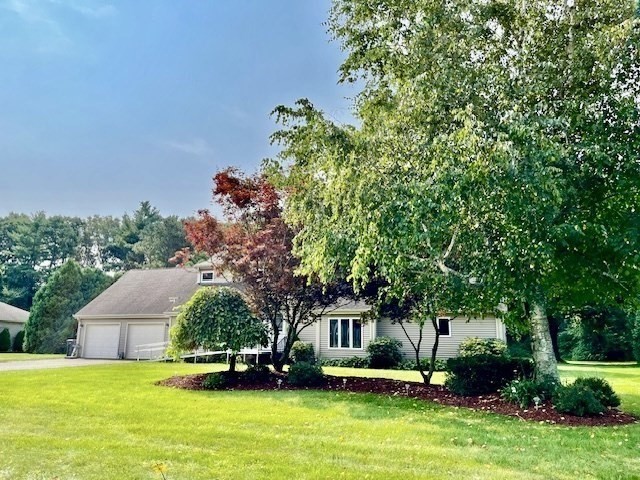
217 319
254 247
504 135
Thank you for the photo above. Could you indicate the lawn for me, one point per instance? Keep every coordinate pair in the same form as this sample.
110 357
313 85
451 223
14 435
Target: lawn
16 357
111 422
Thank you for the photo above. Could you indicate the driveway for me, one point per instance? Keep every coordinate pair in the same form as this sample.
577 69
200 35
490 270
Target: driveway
53 363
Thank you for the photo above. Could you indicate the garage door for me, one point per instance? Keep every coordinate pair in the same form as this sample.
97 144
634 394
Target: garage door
101 341
145 334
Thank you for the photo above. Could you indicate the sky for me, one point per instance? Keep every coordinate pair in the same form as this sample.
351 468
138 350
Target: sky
105 103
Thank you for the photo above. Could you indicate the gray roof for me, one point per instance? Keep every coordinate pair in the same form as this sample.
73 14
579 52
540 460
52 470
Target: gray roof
144 292
11 314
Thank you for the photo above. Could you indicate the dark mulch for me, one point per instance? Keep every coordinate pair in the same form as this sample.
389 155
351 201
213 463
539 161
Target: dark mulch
545 413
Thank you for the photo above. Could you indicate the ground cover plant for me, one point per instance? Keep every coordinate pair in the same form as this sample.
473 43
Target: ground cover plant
112 422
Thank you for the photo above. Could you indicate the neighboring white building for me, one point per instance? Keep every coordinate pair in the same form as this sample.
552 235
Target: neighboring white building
140 307
12 318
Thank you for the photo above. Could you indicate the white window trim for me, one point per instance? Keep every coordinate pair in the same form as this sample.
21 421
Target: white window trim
351 319
450 319
202 279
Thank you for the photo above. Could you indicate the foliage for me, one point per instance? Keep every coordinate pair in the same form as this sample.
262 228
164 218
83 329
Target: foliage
303 352
601 389
348 362
18 342
216 381
216 319
384 352
482 346
524 392
497 143
5 340
51 320
305 374
440 365
577 399
257 373
598 334
254 246
635 332
481 374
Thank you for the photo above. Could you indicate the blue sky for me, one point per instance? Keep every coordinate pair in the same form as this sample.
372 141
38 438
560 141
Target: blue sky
104 104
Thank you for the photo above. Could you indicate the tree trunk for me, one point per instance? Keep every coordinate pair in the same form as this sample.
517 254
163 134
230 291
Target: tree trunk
232 362
434 351
275 360
541 344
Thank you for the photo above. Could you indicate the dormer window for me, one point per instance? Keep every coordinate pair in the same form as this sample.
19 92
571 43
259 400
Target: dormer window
206 277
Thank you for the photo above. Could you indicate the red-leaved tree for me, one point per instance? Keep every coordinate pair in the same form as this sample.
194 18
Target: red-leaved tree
254 246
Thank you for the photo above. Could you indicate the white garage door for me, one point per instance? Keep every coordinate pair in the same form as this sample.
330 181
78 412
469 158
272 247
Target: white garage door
144 334
101 341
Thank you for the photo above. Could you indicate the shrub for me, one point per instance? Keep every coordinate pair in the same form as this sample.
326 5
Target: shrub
257 373
440 365
482 346
5 340
350 362
216 381
524 392
18 340
384 352
577 399
303 352
601 389
484 373
305 374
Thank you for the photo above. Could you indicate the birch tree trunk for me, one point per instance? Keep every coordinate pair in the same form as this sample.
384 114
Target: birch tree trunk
541 344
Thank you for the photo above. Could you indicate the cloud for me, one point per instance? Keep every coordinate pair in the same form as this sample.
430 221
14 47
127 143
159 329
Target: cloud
197 147
87 9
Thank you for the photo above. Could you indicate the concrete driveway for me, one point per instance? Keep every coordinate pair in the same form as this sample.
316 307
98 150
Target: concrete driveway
53 363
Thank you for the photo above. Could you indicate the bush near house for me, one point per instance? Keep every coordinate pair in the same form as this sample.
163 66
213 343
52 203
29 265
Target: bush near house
482 346
18 340
5 340
302 352
305 374
384 352
480 374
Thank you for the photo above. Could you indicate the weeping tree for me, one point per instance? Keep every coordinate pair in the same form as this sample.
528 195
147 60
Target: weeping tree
216 319
503 134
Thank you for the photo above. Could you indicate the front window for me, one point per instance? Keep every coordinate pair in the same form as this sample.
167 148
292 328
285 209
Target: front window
345 333
207 277
444 327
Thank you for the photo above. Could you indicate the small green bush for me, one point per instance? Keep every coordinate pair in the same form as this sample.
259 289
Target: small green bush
18 340
216 381
257 373
523 393
5 340
601 389
440 366
577 400
481 374
482 346
384 352
304 374
349 362
303 352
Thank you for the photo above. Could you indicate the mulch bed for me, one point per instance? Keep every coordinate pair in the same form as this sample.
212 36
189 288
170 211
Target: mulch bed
545 413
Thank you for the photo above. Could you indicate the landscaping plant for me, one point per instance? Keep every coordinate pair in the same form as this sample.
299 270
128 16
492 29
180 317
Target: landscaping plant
305 374
384 352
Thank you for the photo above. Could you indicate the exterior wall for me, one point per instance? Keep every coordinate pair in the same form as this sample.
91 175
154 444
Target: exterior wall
461 328
14 328
321 340
124 322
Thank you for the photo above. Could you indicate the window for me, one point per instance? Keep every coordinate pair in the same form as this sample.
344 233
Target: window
206 277
444 327
345 333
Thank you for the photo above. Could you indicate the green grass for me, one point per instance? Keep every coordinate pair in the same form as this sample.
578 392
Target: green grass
16 357
111 422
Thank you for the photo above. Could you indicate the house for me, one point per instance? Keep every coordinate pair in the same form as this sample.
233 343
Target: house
12 318
135 313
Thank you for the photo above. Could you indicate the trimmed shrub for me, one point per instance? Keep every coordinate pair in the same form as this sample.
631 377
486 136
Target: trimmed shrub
216 381
481 374
482 346
524 392
440 366
305 374
384 352
257 373
5 340
601 389
18 340
577 400
349 362
303 352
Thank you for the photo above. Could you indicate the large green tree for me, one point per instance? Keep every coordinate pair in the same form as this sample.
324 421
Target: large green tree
217 319
498 142
51 320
